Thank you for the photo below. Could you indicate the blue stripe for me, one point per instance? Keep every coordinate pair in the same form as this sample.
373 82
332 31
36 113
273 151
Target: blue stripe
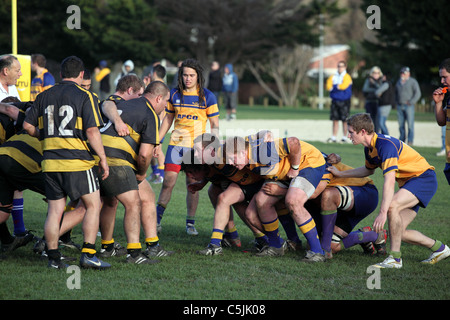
390 169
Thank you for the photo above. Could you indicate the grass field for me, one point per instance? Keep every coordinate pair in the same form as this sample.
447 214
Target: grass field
235 275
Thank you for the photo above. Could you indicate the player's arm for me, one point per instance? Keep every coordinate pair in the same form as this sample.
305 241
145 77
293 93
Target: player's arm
143 160
388 195
166 124
32 130
109 108
360 172
95 140
439 111
10 110
214 123
294 156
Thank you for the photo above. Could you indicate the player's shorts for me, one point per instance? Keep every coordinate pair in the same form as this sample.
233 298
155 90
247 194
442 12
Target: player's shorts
175 155
340 110
121 179
365 202
249 190
72 184
13 176
423 187
308 179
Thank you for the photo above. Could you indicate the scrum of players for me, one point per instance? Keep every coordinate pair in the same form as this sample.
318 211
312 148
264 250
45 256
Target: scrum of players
266 180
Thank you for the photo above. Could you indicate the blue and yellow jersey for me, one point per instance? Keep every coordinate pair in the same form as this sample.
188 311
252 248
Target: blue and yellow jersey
62 114
25 149
350 182
190 115
143 124
270 159
389 154
41 83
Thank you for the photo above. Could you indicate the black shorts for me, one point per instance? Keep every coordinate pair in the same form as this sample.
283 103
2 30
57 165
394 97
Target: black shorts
249 190
72 184
121 179
14 176
340 110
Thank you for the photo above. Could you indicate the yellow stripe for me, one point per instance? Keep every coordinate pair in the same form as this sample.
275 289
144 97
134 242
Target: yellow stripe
134 245
153 239
307 227
271 226
217 235
66 165
93 104
155 116
87 250
107 241
64 143
22 158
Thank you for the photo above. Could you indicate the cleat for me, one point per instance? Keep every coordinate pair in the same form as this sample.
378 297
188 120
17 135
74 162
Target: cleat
57 264
69 244
389 263
211 250
293 245
312 256
231 242
157 251
39 246
435 257
269 251
92 263
141 258
331 140
380 243
190 230
116 251
19 241
367 246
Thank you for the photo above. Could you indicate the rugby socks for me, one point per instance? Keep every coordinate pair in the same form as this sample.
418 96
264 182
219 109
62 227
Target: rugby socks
134 249
397 255
216 237
272 233
190 220
53 254
261 239
309 230
151 242
288 225
438 246
160 170
108 245
231 233
17 216
89 249
160 208
358 237
328 223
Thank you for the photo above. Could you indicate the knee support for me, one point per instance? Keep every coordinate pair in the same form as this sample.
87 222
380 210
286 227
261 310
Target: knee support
346 197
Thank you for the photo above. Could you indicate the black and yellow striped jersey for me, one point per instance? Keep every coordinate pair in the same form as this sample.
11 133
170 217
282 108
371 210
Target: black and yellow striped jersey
62 114
25 149
143 124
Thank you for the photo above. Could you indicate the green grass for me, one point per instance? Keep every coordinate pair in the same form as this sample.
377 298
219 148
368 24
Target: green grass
235 275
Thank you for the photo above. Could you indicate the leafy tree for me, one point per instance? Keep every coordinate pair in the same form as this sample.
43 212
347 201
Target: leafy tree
412 33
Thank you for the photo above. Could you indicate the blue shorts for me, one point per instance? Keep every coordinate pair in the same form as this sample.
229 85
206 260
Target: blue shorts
365 202
423 187
313 176
175 155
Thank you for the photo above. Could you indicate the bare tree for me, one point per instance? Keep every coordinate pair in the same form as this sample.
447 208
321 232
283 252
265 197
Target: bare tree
287 67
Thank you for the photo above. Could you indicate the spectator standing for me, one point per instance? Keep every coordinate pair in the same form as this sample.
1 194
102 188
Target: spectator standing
230 88
371 84
340 87
10 72
215 80
102 75
127 68
44 79
407 94
386 99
